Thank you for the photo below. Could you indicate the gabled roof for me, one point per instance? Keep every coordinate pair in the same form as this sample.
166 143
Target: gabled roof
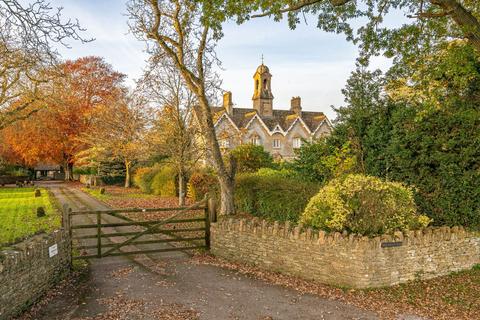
283 119
47 167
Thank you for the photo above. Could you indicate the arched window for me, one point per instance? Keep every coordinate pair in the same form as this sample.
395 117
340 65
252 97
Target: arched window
257 83
265 82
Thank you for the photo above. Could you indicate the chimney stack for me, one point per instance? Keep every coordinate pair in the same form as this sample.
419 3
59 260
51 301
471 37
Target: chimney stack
227 102
296 105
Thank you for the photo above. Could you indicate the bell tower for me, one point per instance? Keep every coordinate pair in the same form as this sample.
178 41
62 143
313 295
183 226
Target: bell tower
262 94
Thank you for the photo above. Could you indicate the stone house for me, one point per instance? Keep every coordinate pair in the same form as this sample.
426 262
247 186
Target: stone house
280 132
45 171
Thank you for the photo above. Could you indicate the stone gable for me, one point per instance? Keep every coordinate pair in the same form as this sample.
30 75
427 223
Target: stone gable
278 131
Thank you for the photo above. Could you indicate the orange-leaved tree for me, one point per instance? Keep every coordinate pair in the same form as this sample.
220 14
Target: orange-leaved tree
52 135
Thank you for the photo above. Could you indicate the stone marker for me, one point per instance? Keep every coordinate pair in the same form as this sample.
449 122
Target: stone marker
40 212
38 193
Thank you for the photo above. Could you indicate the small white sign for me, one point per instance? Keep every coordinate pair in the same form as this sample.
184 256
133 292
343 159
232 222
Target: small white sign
53 250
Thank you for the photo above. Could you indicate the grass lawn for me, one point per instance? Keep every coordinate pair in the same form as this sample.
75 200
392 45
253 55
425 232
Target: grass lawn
18 214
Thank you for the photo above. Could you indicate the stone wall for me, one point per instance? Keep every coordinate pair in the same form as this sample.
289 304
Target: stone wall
27 270
343 259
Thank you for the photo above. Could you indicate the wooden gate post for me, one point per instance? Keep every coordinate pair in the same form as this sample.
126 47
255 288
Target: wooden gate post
207 225
212 208
210 216
66 217
67 227
99 234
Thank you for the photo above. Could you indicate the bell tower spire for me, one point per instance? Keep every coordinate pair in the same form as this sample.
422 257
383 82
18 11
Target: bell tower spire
262 94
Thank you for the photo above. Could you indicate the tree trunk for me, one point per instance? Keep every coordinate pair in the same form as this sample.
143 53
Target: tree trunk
127 174
68 171
181 188
227 189
226 177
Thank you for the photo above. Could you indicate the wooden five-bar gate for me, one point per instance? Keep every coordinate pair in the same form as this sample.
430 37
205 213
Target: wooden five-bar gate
103 238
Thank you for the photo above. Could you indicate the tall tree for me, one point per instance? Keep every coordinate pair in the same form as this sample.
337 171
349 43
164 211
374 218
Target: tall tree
52 133
117 133
22 82
362 21
179 32
172 134
422 130
27 32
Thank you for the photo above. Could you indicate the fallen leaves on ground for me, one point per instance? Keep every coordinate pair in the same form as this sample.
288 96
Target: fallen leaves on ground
121 273
120 307
61 297
456 296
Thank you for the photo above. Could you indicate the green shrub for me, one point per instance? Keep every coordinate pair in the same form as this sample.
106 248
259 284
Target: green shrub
113 180
85 170
164 182
273 196
143 178
201 183
365 205
251 157
283 173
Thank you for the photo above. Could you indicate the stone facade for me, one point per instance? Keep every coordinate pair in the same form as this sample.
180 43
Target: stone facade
342 259
27 270
280 132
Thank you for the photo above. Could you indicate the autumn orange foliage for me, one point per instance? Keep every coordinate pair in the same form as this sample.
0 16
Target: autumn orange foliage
51 135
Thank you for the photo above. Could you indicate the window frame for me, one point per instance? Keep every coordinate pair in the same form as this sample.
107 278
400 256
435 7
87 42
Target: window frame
277 146
255 140
297 143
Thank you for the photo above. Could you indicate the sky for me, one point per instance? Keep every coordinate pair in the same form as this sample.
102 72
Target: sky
305 62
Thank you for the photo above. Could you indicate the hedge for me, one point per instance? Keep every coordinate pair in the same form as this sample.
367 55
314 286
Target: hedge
274 197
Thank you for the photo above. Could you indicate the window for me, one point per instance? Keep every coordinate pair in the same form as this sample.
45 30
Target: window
255 140
276 143
297 143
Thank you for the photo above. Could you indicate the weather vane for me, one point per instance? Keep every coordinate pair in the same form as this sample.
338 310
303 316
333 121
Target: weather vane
262 58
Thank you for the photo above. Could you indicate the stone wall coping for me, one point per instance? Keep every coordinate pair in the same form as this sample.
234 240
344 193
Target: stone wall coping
29 249
263 228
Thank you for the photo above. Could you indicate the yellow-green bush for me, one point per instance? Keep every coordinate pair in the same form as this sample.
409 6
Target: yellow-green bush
164 182
365 205
159 180
143 178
